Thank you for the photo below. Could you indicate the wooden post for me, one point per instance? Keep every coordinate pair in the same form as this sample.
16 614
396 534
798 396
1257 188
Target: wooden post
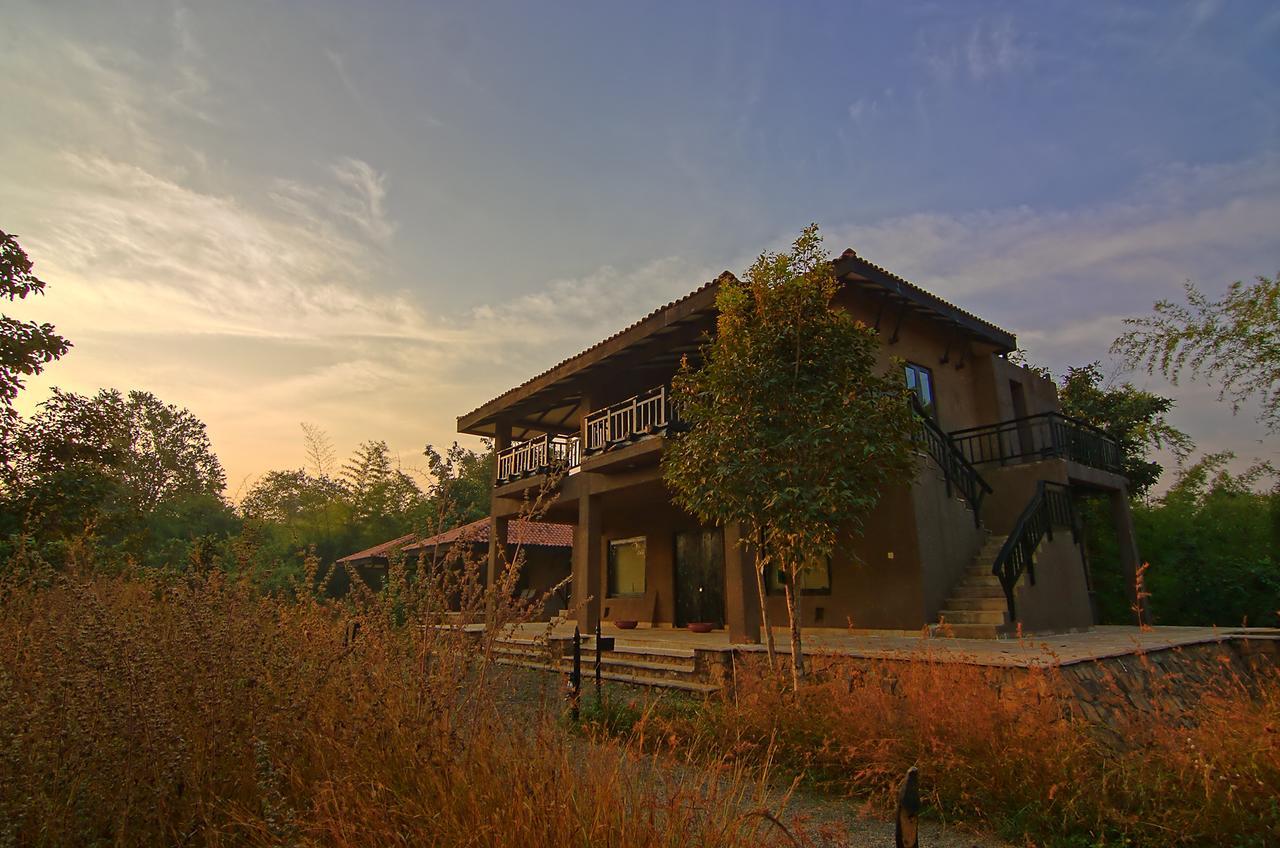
742 605
907 829
575 679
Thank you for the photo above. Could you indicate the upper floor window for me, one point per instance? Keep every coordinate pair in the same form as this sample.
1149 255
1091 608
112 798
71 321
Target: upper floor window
920 381
626 567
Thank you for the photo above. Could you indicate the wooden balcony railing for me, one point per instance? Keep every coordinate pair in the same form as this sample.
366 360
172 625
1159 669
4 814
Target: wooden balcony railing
1049 435
646 414
538 456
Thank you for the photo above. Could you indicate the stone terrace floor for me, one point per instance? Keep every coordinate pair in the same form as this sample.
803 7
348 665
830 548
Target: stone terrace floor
1064 648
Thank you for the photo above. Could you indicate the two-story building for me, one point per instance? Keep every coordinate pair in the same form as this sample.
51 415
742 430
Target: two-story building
983 538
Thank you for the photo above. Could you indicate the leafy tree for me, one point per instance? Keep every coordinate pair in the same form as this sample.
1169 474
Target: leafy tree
97 471
1234 342
794 431
1133 418
461 486
1213 544
25 346
157 451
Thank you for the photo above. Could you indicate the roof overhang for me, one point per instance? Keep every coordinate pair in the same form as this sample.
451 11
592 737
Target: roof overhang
548 402
852 269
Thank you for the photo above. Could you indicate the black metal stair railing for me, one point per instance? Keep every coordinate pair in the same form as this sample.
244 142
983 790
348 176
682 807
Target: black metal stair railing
957 471
1048 508
1048 435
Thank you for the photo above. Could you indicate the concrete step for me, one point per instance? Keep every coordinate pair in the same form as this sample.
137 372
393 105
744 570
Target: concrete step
656 682
629 666
987 579
957 603
983 590
974 616
971 631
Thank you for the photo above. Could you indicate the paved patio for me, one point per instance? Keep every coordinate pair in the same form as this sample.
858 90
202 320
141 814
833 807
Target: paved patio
1065 649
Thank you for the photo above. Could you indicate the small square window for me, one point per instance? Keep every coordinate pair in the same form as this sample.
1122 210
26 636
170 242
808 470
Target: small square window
626 567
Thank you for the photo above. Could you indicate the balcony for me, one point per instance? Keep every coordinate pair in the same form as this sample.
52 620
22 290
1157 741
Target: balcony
636 418
1049 435
645 414
538 456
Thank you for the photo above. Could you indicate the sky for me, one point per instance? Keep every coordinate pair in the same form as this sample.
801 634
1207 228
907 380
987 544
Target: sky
376 217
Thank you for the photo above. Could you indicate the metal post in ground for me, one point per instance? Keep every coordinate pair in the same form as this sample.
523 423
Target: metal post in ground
575 679
598 704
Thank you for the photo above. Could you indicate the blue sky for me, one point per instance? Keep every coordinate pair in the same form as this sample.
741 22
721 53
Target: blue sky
376 219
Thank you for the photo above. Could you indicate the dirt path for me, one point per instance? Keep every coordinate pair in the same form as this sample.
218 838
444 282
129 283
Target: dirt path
814 819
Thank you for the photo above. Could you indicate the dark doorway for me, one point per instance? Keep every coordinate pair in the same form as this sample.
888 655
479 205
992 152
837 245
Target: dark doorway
699 577
1026 439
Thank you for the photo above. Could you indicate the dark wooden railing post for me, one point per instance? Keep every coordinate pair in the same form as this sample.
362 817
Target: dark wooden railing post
598 664
907 824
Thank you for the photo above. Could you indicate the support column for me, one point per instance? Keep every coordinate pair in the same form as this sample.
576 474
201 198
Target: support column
741 596
497 526
588 561
1130 559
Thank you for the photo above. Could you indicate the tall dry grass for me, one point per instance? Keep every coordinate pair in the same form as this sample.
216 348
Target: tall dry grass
137 711
1013 753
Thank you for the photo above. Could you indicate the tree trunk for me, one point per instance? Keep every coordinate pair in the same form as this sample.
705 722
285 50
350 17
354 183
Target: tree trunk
793 613
762 562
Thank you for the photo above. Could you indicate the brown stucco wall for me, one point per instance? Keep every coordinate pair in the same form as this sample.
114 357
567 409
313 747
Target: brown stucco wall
1013 486
651 514
1059 600
947 538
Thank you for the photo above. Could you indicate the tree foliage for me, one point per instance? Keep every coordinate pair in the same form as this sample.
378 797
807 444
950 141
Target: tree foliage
1213 545
1135 419
794 431
25 346
1233 342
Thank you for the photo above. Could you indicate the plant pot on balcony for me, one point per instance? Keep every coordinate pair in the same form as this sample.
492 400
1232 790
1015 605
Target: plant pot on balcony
701 626
625 624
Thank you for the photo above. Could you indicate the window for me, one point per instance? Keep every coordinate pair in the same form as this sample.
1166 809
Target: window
920 381
626 567
815 578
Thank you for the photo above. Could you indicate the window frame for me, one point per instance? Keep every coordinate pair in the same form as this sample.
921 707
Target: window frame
911 371
610 566
771 577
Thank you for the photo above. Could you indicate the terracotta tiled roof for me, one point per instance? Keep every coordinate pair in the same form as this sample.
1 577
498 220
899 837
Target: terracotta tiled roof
938 305
519 532
926 296
379 550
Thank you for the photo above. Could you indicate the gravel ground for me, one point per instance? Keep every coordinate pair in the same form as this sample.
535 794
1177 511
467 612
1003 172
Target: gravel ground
821 821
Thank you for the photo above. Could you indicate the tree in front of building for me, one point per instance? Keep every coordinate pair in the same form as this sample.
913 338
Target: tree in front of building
25 346
793 430
1233 342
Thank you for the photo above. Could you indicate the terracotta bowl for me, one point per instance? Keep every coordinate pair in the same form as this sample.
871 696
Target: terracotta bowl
701 626
625 624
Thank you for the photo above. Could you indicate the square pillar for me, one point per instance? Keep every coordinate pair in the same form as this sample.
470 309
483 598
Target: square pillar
497 526
1130 559
497 544
741 595
588 562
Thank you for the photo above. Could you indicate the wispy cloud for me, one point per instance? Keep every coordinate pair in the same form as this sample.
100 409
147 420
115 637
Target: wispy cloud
987 49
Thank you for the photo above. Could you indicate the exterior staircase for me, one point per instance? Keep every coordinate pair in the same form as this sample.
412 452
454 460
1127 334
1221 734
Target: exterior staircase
977 608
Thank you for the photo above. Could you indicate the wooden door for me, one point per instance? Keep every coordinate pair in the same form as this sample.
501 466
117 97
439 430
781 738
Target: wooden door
699 577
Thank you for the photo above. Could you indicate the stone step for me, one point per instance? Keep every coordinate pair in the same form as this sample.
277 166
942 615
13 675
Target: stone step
957 603
974 616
